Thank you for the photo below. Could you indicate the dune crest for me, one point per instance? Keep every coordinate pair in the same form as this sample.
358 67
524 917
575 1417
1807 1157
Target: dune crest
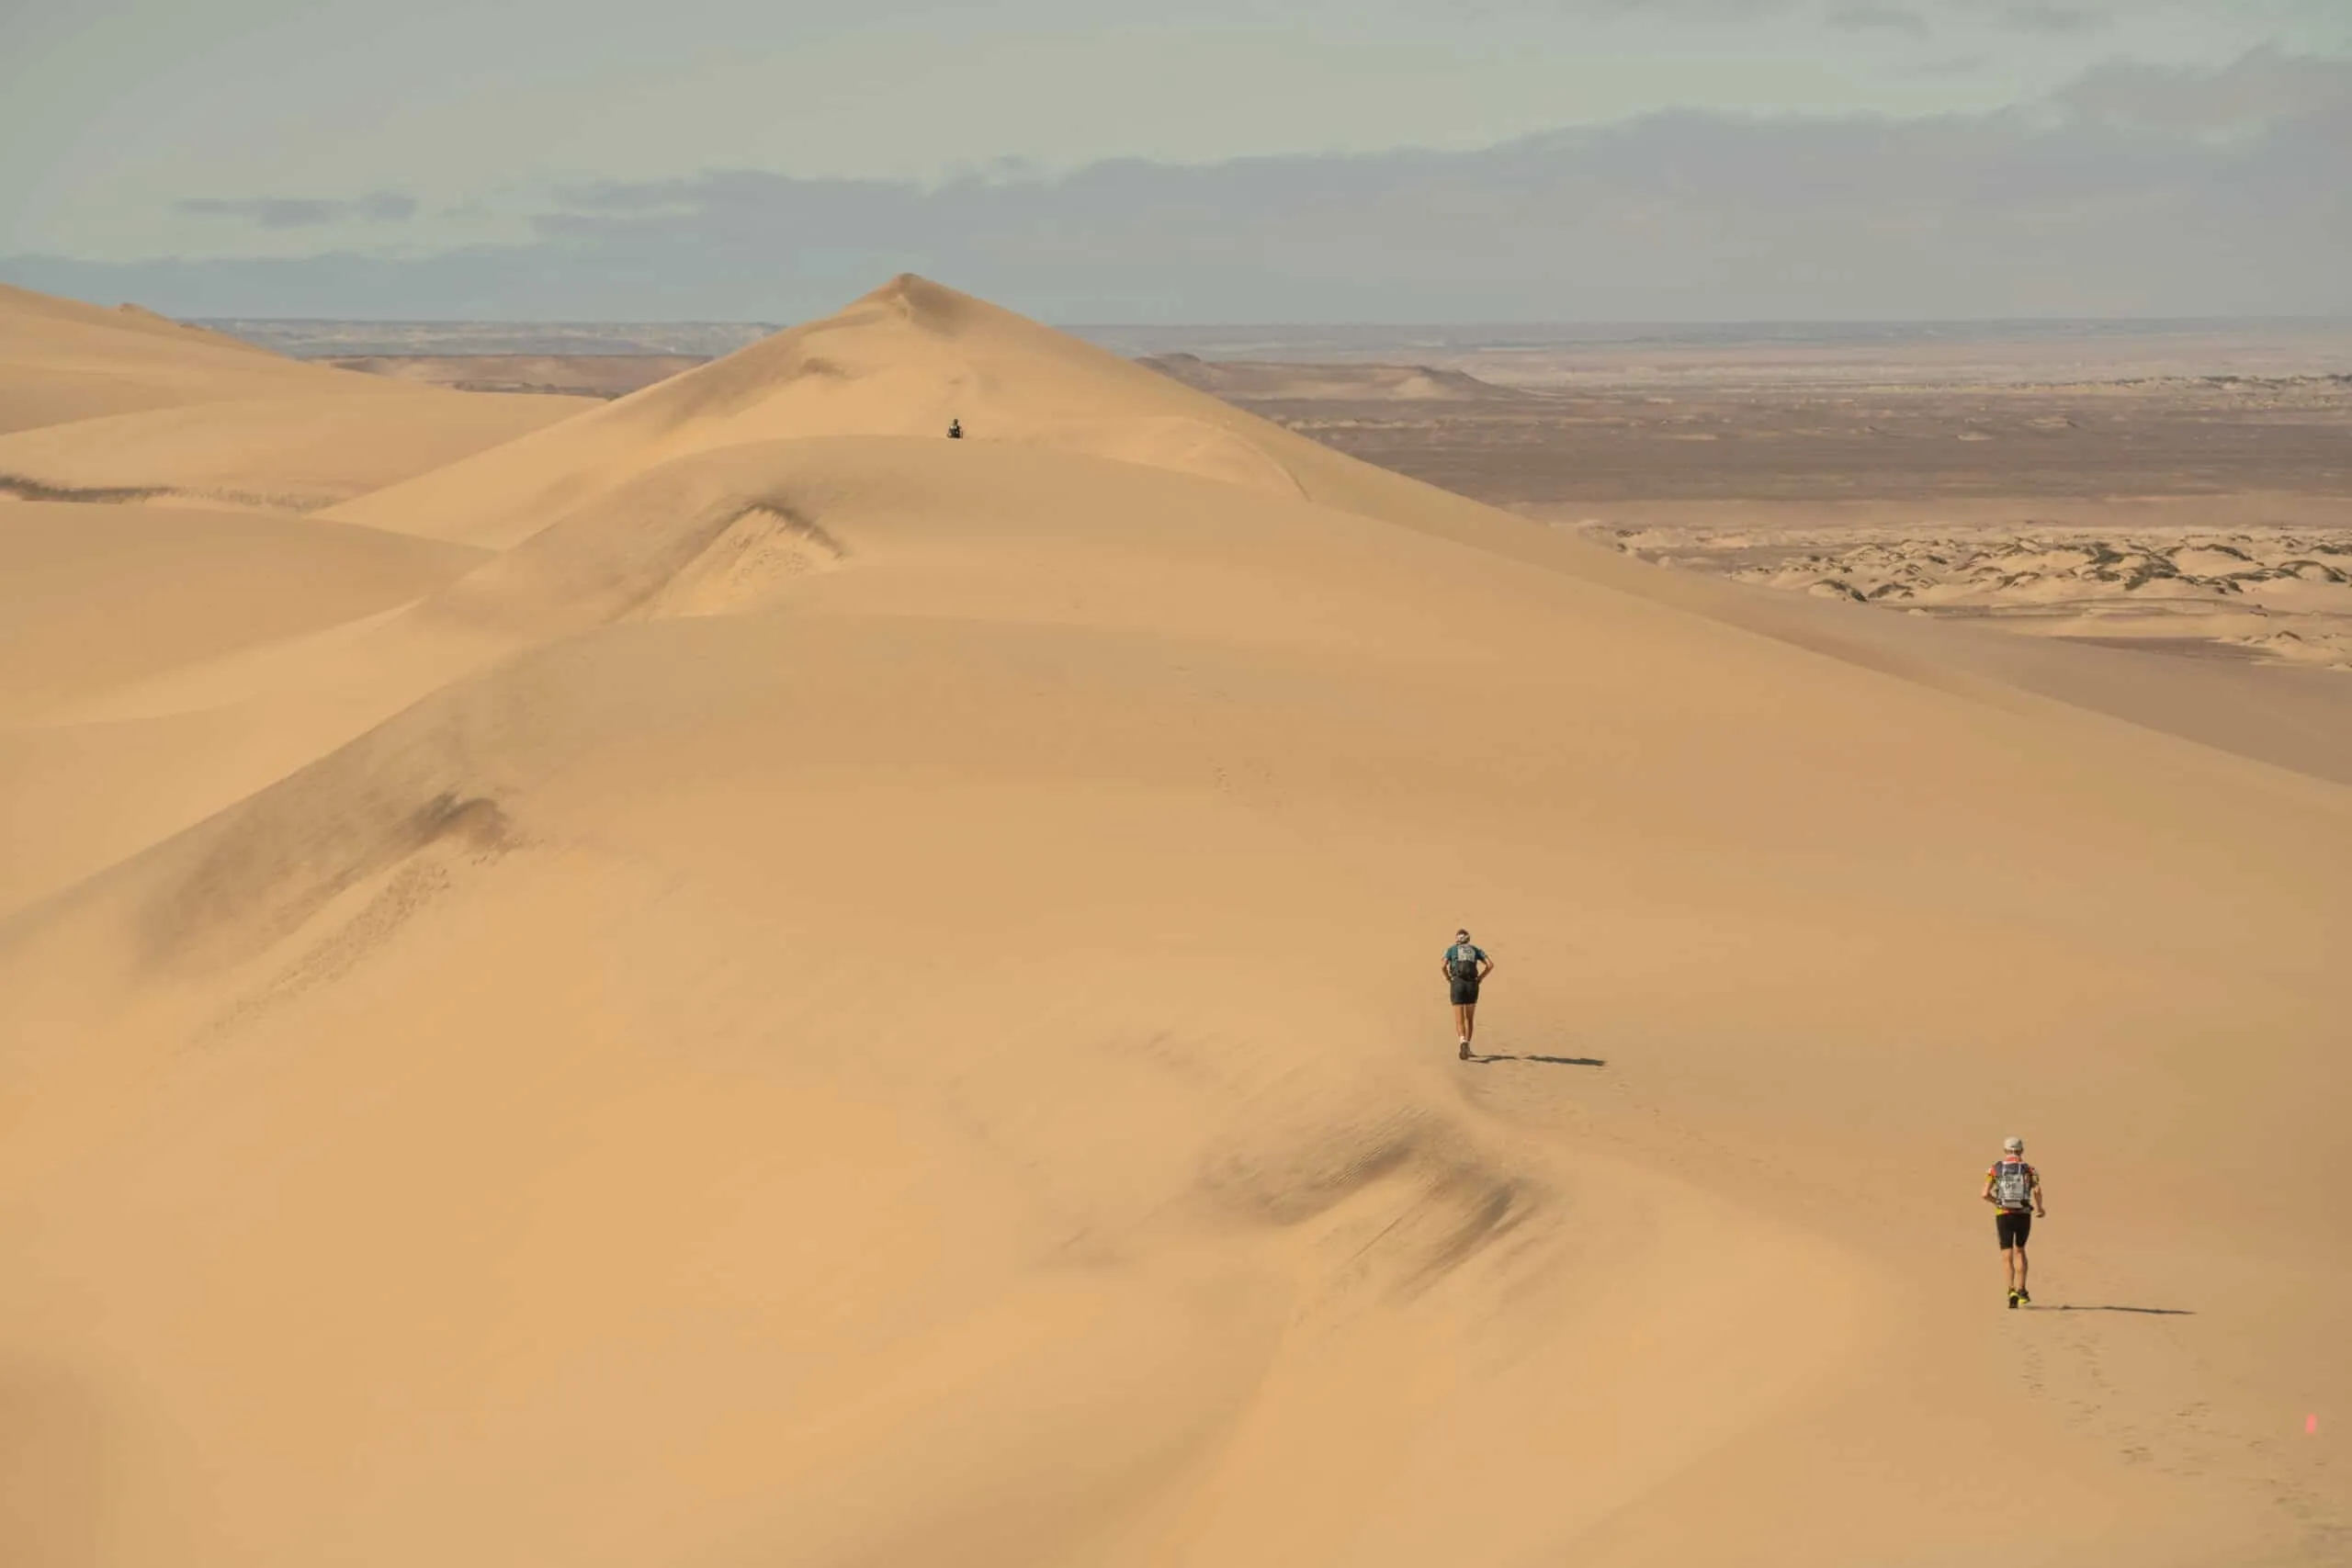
903 360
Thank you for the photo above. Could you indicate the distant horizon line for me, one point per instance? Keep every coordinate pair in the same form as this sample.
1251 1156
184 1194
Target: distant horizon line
1558 323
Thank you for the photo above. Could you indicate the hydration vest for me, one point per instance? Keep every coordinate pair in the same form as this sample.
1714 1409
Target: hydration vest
1462 962
2013 1184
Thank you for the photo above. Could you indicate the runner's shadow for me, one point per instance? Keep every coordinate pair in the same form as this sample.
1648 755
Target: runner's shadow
1548 1061
2151 1311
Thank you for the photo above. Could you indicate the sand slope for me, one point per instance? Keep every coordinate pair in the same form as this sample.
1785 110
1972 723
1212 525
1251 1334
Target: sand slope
128 636
853 998
94 597
283 454
62 360
124 405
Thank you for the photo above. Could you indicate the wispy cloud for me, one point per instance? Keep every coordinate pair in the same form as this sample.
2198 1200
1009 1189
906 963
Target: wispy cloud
626 196
1699 9
2256 92
302 212
1878 19
2055 19
1949 66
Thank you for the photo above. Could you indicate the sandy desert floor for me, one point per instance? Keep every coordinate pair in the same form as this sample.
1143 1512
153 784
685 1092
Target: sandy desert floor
714 979
2208 516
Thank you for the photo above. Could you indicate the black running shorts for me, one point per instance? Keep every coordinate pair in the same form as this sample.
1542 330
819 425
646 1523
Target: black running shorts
2012 1225
1465 993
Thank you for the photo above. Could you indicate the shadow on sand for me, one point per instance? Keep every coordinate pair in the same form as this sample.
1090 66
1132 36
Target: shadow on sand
1548 1061
2151 1311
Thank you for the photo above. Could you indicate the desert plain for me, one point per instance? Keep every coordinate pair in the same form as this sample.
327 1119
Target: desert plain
706 977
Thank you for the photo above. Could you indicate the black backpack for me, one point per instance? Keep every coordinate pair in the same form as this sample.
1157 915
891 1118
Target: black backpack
1462 964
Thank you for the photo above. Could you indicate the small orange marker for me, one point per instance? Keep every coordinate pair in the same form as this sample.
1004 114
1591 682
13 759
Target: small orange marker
2311 1425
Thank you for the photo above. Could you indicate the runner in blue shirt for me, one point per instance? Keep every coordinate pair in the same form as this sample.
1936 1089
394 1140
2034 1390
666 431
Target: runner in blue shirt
1465 968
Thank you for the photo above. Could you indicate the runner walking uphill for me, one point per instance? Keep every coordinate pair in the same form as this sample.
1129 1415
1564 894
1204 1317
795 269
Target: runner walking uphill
1465 966
2014 1188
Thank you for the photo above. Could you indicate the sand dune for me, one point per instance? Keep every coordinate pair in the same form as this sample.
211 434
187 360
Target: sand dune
63 360
92 597
903 361
124 629
124 405
846 998
296 454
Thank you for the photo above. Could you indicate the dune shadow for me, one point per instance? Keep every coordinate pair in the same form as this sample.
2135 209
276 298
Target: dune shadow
2151 1311
1477 1057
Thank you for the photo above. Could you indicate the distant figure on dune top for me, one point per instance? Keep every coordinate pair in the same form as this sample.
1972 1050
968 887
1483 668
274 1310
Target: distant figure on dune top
2014 1188
954 430
1466 967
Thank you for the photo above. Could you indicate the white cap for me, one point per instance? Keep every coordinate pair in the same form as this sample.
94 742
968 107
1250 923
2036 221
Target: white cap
2013 1146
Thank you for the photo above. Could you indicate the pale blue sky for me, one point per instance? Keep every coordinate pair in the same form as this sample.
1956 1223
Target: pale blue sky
387 133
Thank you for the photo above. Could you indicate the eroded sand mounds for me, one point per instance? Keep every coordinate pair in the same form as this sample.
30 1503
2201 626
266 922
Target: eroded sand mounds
2282 593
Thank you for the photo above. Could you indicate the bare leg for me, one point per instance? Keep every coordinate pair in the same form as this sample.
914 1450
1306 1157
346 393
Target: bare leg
2020 1256
1470 1021
2009 1256
1462 1023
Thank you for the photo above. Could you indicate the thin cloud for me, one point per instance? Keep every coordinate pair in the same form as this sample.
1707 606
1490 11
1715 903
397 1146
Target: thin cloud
386 207
2263 88
621 195
1878 19
303 212
1737 10
269 211
1947 67
2055 19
